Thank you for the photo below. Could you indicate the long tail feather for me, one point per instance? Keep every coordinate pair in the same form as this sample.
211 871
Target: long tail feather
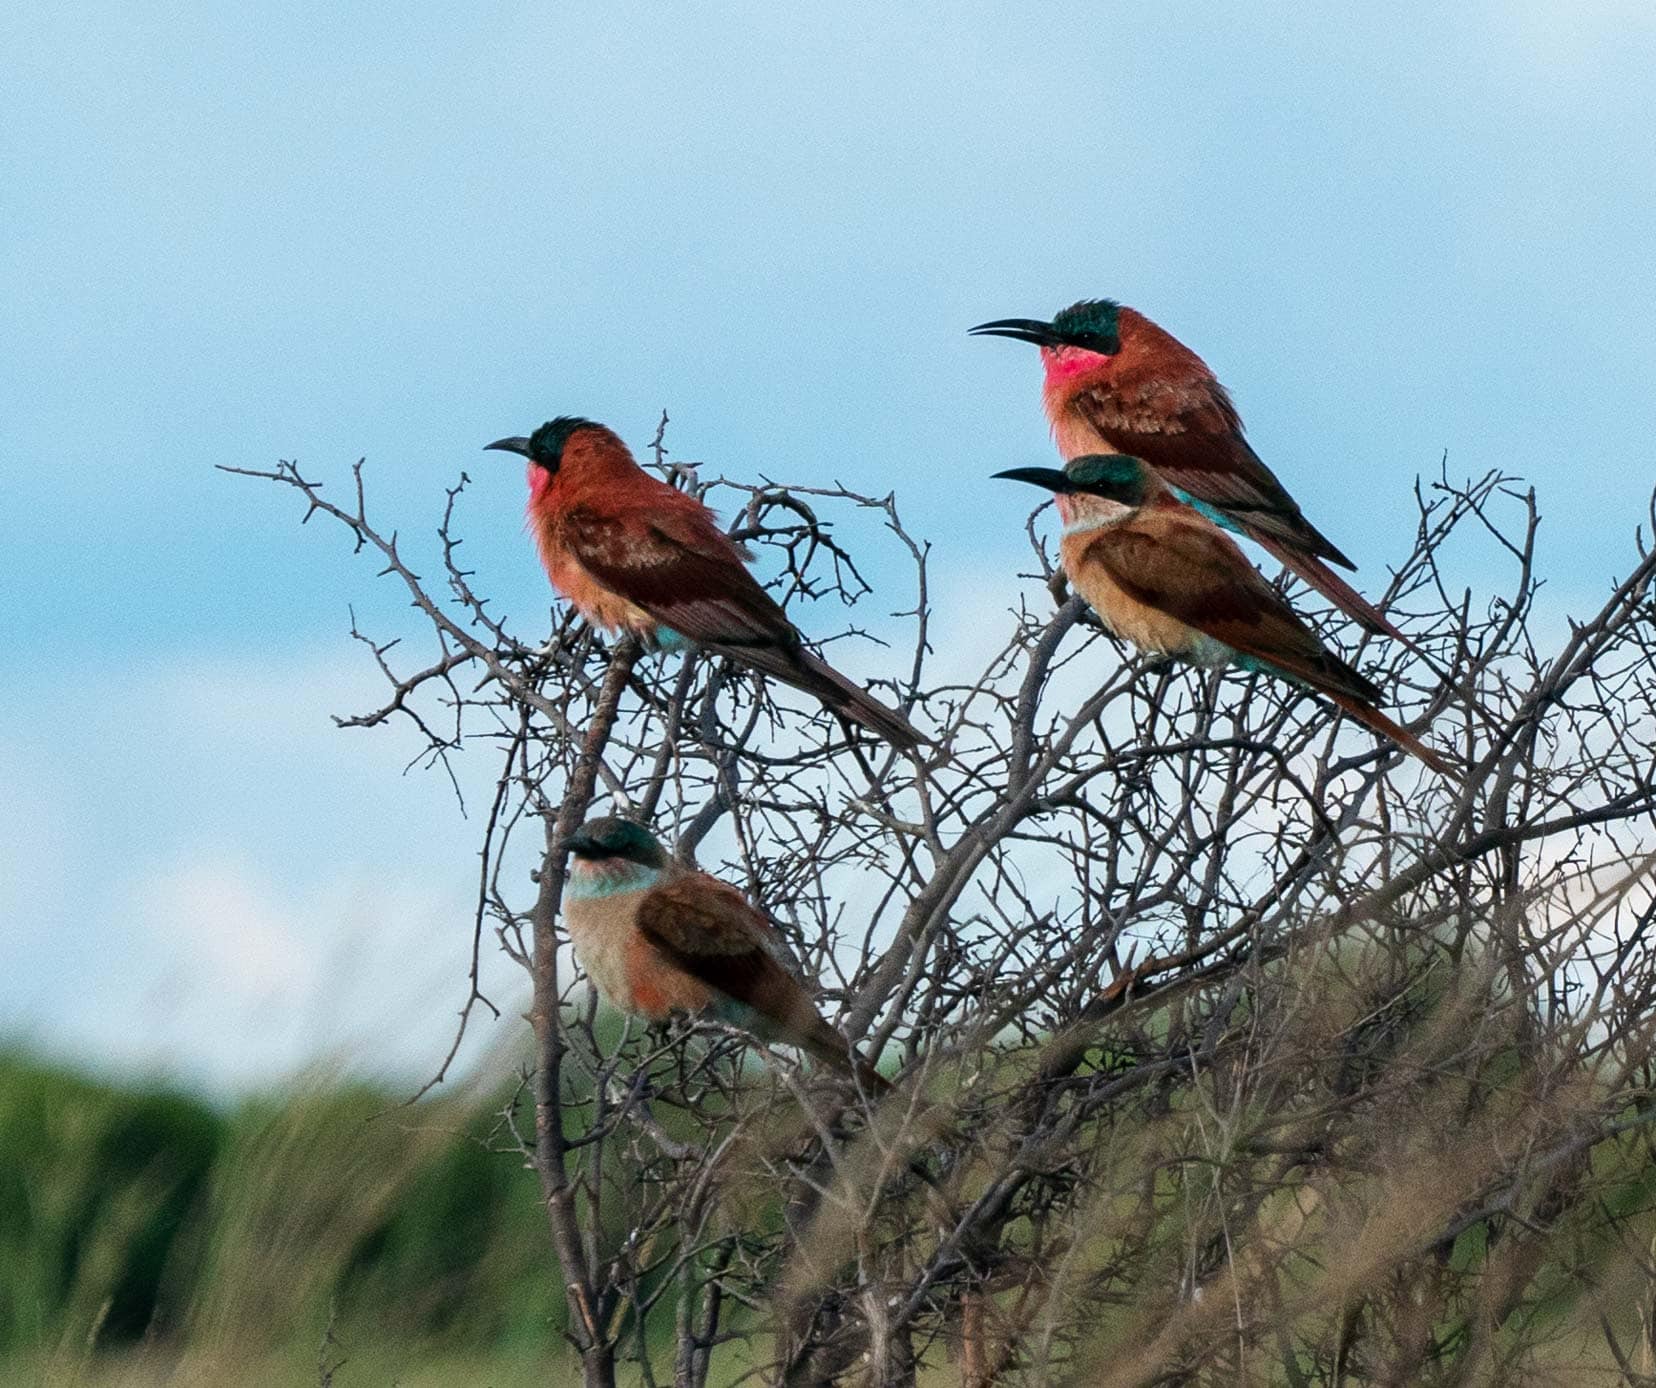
1334 588
857 704
828 1046
804 671
1357 607
1372 718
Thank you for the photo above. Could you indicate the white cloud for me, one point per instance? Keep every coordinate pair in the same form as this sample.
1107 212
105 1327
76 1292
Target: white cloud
249 950
220 885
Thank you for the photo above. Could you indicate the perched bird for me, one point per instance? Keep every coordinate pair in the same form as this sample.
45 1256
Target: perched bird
1117 383
660 939
635 554
1166 578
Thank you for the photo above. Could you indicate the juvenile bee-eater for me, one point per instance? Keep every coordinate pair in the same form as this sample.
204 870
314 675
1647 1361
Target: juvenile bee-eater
632 553
1118 383
659 939
1163 576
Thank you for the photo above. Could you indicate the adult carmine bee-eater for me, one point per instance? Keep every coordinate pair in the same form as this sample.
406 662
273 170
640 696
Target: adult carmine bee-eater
634 554
1118 383
1164 577
660 939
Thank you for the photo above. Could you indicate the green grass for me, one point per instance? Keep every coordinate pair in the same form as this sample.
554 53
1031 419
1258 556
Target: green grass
323 1235
148 1237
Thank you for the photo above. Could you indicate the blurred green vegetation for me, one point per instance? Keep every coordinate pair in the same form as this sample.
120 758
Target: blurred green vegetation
149 1237
327 1235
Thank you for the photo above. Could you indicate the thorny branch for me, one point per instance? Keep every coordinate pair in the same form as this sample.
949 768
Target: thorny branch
1230 1045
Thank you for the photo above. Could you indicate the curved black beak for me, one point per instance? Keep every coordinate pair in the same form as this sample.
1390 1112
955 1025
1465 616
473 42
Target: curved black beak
580 844
1048 477
516 444
1024 329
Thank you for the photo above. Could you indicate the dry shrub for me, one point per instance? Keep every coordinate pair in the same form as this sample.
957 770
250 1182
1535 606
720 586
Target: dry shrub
1230 1045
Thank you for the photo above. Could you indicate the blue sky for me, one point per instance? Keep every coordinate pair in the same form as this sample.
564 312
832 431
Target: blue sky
315 231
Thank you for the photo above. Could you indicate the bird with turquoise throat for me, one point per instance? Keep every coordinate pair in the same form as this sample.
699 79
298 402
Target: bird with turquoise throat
661 940
1163 576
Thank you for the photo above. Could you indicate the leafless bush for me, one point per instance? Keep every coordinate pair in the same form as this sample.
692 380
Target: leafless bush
1230 1045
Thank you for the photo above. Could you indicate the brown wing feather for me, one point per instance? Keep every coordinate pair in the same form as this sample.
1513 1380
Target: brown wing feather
1190 434
695 917
1197 575
711 931
685 574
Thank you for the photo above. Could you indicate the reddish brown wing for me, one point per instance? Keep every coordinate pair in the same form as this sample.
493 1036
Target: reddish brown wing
1195 574
676 564
709 930
1189 433
681 569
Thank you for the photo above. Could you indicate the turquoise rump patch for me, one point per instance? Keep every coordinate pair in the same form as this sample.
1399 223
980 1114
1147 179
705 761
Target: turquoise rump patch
1213 513
738 1014
666 639
1260 667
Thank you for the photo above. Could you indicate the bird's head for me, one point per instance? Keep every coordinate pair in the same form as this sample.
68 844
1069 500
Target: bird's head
610 839
1078 346
611 856
545 448
1102 486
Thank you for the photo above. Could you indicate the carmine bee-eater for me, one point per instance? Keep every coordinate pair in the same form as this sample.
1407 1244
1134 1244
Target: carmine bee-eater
1118 383
660 939
1163 576
632 553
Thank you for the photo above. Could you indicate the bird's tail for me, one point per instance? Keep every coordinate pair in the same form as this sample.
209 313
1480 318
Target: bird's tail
1334 588
798 667
1371 717
828 1046
840 694
1366 614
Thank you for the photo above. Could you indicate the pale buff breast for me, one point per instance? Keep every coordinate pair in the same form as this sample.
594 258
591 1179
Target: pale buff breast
601 930
631 973
1146 627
